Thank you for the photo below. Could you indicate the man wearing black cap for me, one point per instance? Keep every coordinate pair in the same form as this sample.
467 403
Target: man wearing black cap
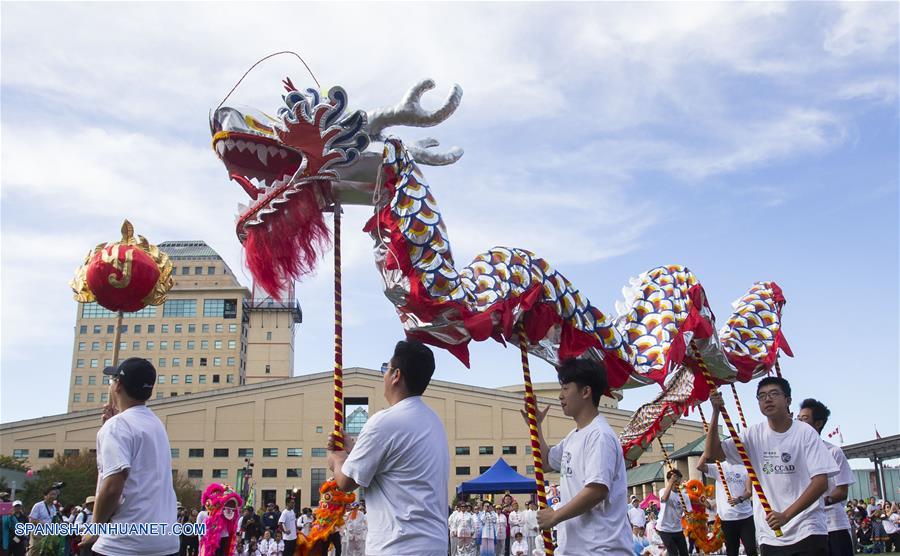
135 466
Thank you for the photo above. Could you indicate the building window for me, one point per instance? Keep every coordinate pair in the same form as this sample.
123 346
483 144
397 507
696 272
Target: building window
219 327
177 344
189 362
294 473
204 344
162 362
223 308
174 377
95 346
188 379
462 451
245 452
92 380
151 328
198 270
483 469
217 344
105 380
316 478
176 362
71 452
268 369
529 470
124 329
82 329
318 452
195 452
107 362
161 379
185 270
216 379
270 452
95 363
90 396
485 450
220 473
668 447
203 361
135 346
295 452
175 452
269 473
210 270
150 346
217 361
220 452
232 328
20 453
104 396
268 335
159 395
195 473
356 420
204 328
96 329
201 379
191 344
178 329
110 329
509 450
319 429
79 363
137 328
163 345
76 397
82 346
95 311
45 453
232 344
77 379
463 470
192 328
229 362
108 346
164 328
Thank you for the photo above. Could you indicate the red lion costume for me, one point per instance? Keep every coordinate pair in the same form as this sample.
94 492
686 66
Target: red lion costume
223 506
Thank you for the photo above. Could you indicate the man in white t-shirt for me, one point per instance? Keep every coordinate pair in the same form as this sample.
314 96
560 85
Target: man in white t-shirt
735 511
401 459
814 413
636 515
669 526
288 522
593 489
793 466
134 467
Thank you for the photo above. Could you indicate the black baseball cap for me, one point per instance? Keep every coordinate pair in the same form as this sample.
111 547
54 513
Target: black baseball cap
137 375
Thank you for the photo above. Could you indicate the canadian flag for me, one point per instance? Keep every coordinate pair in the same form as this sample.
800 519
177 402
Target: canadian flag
836 432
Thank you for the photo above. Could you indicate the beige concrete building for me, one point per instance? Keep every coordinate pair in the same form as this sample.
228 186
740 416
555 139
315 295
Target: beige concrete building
212 332
282 426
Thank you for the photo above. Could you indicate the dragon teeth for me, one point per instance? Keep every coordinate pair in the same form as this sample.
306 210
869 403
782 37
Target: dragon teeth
229 144
241 145
251 147
273 150
262 154
283 153
220 148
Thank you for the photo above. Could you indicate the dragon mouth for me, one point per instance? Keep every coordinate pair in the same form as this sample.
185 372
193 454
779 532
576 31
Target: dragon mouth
259 164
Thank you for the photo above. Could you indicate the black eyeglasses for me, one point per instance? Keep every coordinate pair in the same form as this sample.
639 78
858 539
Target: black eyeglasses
771 395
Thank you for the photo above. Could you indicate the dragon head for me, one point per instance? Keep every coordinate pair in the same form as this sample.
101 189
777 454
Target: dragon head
302 162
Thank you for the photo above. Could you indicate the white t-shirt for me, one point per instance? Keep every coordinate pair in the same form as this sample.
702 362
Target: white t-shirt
891 524
737 479
785 462
669 520
401 459
592 455
637 517
136 440
42 513
519 547
288 522
835 514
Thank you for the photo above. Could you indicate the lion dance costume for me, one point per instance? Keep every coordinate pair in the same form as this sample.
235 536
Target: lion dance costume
223 506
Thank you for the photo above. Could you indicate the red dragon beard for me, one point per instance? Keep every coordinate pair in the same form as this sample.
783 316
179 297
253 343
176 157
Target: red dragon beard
288 244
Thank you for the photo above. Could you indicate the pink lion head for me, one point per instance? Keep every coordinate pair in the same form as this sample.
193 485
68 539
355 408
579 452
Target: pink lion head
223 506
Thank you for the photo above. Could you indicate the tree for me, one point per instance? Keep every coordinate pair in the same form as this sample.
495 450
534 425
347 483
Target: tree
9 462
77 471
185 491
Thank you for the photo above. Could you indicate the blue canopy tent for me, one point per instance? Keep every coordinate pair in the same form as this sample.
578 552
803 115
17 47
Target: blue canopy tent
499 478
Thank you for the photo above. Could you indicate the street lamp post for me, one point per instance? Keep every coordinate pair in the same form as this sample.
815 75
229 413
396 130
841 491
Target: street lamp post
248 474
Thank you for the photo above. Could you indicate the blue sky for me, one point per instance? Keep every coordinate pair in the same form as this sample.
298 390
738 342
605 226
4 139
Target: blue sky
746 141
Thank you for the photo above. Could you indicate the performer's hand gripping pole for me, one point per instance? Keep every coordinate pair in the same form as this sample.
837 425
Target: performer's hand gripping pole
738 444
338 336
718 463
531 409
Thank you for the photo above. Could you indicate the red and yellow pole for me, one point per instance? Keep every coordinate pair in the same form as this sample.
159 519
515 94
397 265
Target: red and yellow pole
737 402
338 336
537 457
742 450
671 466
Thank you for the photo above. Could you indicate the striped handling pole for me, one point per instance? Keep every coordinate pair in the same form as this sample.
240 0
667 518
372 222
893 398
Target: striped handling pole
718 463
531 409
742 450
338 336
777 367
737 402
